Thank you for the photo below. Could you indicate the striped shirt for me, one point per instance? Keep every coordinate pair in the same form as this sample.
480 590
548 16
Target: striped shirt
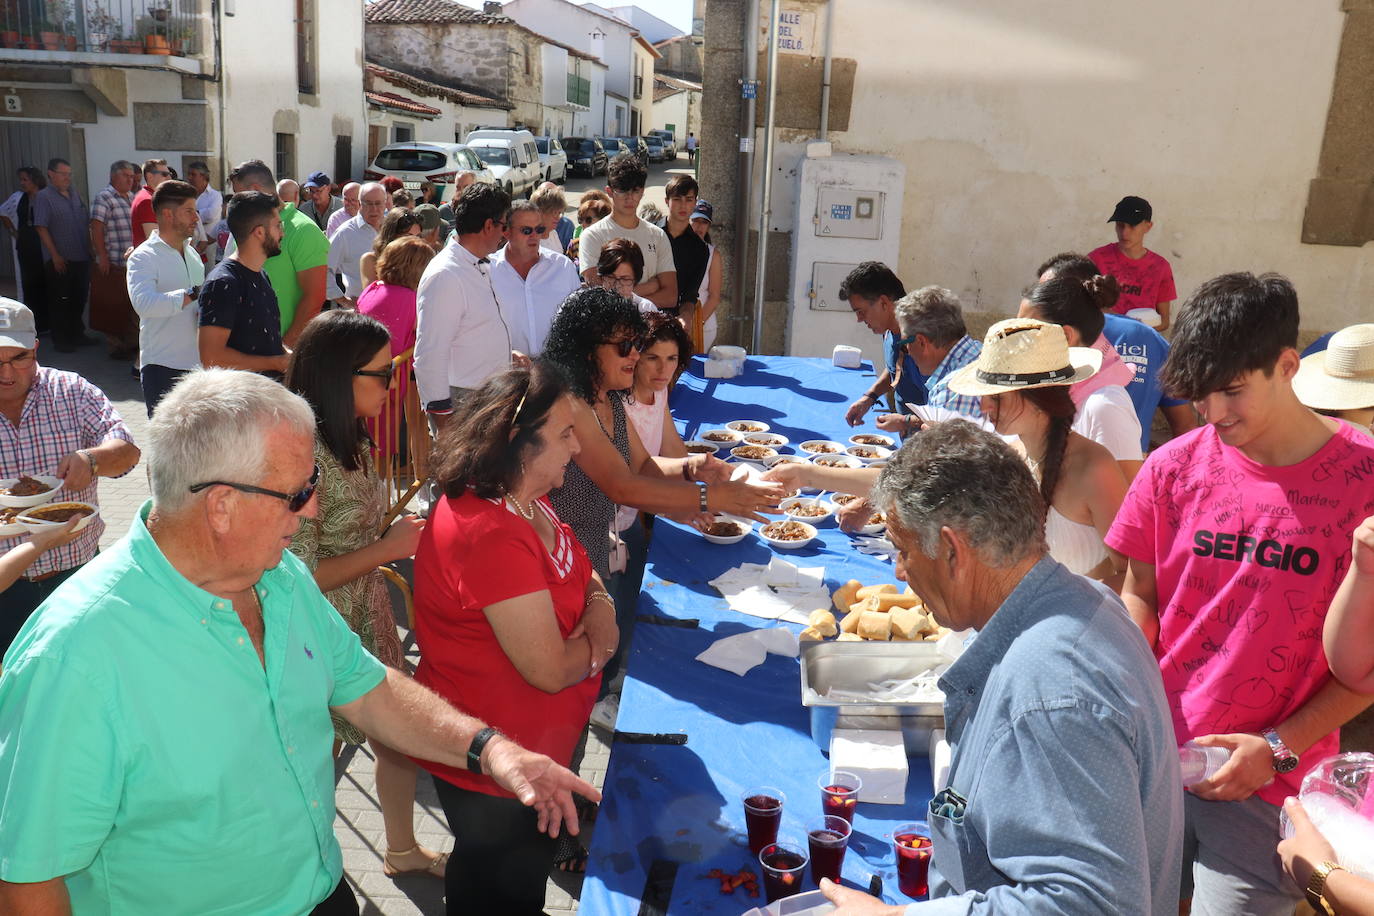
115 211
937 391
62 413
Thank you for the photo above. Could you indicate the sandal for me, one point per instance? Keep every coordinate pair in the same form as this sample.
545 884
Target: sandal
435 867
586 809
571 855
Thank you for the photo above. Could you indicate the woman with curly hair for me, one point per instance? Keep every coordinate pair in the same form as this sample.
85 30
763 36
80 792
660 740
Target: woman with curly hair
398 223
342 367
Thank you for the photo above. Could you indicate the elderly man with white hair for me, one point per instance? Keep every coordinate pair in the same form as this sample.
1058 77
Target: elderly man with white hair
1064 794
349 198
353 240
165 718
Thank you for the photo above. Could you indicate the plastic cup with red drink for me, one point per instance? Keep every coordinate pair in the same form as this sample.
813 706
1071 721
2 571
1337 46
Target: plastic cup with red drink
911 843
762 815
784 867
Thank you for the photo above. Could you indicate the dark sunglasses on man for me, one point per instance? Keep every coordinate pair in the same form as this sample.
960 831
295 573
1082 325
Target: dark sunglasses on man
295 502
531 230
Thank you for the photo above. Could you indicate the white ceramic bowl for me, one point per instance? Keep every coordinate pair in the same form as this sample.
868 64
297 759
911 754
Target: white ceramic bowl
837 506
868 453
34 524
828 511
708 448
747 426
11 528
723 443
784 459
873 439
837 461
875 527
809 447
38 499
789 545
772 440
752 454
744 526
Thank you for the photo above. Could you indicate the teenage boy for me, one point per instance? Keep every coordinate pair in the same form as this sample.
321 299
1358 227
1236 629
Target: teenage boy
1147 280
872 291
1238 536
625 182
690 254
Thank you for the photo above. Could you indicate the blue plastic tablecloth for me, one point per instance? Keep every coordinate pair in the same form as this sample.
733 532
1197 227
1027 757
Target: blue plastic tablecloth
682 803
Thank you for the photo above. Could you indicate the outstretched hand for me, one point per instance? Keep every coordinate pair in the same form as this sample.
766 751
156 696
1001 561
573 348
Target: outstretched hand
539 783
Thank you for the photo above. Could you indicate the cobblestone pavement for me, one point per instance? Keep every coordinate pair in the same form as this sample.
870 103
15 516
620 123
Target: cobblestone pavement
358 823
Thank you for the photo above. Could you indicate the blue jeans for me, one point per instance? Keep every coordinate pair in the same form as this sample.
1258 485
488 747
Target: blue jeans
624 589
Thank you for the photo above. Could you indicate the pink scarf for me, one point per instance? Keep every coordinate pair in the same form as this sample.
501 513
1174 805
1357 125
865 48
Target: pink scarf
1114 371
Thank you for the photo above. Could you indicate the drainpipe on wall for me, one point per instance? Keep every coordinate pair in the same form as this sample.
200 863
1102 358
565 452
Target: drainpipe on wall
765 211
745 167
825 68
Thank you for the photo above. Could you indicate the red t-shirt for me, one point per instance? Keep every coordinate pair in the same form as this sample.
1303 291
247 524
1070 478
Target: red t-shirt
1145 282
474 553
141 211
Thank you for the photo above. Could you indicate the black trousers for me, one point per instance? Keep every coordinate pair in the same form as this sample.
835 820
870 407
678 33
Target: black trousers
20 600
67 301
157 381
500 861
35 280
340 903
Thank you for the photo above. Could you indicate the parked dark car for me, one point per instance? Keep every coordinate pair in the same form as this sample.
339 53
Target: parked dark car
586 156
614 146
657 151
637 146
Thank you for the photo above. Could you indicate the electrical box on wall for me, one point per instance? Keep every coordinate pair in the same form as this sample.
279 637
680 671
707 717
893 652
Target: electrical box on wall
848 210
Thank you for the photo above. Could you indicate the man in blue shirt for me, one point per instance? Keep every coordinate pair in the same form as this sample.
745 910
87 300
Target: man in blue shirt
872 291
1064 794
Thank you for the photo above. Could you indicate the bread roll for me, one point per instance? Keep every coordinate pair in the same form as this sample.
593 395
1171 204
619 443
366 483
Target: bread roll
907 623
869 591
845 595
889 601
811 634
850 637
822 621
875 625
850 623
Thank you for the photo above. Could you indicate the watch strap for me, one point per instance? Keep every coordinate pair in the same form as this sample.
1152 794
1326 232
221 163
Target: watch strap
479 741
1316 888
1284 758
90 459
701 492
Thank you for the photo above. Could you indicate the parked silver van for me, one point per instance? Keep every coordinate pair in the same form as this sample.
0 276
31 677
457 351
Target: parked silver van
512 156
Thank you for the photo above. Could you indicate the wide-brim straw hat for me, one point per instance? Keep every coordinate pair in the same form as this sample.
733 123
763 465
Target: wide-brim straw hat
1024 353
1341 377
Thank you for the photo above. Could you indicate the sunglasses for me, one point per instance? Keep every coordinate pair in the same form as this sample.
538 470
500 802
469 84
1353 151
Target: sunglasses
531 230
625 345
385 375
295 502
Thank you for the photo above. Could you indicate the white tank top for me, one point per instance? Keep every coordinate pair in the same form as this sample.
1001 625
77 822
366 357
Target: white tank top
1077 546
648 422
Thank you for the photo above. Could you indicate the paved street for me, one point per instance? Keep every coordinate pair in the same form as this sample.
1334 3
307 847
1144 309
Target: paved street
358 824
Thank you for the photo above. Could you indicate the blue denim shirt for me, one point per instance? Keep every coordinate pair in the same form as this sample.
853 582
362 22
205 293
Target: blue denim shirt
1064 750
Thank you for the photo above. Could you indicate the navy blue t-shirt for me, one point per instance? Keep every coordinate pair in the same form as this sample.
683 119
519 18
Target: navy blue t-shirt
1145 348
241 299
911 388
1319 345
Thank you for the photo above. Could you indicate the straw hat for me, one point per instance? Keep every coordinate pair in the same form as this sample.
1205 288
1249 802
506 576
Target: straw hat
1023 353
1341 377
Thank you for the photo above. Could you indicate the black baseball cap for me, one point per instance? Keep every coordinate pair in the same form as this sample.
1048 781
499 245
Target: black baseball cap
1131 210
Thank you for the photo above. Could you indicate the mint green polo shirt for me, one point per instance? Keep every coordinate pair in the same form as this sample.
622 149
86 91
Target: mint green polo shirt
303 246
147 755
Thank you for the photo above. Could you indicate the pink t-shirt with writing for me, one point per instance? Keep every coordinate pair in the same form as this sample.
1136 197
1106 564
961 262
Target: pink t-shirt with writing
1145 282
1247 559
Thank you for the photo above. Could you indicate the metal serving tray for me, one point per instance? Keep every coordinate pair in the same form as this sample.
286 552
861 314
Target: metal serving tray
851 665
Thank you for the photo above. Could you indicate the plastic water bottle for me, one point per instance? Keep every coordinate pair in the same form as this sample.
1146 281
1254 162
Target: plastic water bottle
1199 763
1338 795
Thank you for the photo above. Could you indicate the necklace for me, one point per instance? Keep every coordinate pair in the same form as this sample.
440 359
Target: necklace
527 515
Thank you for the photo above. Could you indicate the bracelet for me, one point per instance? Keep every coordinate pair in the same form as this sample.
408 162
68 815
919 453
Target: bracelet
90 459
479 741
603 595
868 397
701 488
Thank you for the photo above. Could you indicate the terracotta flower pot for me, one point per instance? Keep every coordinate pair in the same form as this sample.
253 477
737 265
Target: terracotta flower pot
9 39
156 44
29 43
125 46
52 41
69 41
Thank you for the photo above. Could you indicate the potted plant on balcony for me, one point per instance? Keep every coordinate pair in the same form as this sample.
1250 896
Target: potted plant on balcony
57 26
119 44
154 41
101 26
160 11
9 21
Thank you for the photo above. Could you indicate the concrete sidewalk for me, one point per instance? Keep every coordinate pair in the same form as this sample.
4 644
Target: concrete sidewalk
358 823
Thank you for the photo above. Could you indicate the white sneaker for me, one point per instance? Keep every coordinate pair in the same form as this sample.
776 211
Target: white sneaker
606 711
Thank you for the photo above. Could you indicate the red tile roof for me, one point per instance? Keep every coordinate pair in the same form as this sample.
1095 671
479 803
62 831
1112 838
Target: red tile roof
437 11
430 88
401 103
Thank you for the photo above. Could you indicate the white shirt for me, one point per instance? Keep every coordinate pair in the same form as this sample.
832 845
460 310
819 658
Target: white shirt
158 277
346 249
210 206
529 303
652 241
1108 418
461 337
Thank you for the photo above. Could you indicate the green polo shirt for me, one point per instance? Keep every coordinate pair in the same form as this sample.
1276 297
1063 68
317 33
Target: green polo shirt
303 246
147 755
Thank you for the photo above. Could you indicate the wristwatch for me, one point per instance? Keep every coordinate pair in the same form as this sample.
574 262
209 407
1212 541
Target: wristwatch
1284 759
475 748
701 487
1316 888
90 459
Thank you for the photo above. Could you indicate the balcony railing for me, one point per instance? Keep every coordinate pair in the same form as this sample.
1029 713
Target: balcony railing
102 26
579 90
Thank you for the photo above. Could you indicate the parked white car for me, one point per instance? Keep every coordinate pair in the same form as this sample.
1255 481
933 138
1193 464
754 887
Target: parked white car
512 156
553 158
418 161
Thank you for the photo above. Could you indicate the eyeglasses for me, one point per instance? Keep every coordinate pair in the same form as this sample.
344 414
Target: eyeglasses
22 361
627 192
295 502
385 375
158 172
625 345
907 341
531 230
614 282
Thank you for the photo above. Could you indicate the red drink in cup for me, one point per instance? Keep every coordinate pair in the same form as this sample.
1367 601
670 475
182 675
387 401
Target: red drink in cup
840 793
911 843
827 838
783 868
762 814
